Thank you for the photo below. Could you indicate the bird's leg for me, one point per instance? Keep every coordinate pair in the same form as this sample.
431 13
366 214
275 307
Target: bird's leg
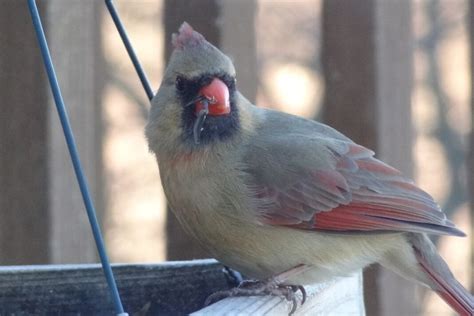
234 278
274 286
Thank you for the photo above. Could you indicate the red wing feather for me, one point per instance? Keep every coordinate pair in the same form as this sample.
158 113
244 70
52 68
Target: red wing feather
359 194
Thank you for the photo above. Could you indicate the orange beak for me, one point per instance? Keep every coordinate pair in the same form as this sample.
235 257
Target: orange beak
216 98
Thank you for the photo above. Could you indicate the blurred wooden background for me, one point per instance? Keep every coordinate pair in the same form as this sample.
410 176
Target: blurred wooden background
393 75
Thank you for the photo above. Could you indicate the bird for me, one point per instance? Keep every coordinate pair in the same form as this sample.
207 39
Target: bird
285 200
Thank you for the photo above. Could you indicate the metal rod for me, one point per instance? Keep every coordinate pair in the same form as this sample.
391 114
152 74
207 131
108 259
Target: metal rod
131 53
75 156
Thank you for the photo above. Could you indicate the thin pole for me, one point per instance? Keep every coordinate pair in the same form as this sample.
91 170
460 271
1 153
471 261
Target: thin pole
75 156
128 46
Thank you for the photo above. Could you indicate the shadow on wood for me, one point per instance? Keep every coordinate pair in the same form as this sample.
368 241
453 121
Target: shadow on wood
173 288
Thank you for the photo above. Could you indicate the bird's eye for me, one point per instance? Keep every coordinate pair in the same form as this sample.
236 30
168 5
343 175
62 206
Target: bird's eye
179 84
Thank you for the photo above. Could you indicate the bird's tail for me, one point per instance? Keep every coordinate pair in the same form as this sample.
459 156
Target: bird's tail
443 281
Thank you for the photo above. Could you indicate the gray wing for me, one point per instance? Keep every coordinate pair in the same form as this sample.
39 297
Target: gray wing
309 176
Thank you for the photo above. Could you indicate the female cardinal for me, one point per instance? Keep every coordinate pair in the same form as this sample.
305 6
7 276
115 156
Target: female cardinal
282 199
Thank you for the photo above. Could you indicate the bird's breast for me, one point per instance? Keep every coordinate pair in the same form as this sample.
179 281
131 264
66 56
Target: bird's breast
207 196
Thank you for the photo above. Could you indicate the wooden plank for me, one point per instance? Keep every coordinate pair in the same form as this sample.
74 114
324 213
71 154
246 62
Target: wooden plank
338 297
23 140
172 288
394 125
77 57
367 65
237 24
39 197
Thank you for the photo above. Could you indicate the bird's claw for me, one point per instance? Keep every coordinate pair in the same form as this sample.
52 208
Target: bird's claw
300 288
261 288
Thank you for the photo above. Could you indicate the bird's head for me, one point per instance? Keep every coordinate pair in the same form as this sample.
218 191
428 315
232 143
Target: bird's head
195 105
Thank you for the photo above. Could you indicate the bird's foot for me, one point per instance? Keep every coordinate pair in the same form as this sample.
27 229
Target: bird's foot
261 288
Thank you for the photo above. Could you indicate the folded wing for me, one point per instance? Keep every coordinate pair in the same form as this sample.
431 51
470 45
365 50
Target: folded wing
350 192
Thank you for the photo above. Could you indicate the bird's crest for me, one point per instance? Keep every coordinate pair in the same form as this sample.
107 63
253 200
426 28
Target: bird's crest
187 37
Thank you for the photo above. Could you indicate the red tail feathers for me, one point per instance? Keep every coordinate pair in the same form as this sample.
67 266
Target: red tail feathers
447 287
